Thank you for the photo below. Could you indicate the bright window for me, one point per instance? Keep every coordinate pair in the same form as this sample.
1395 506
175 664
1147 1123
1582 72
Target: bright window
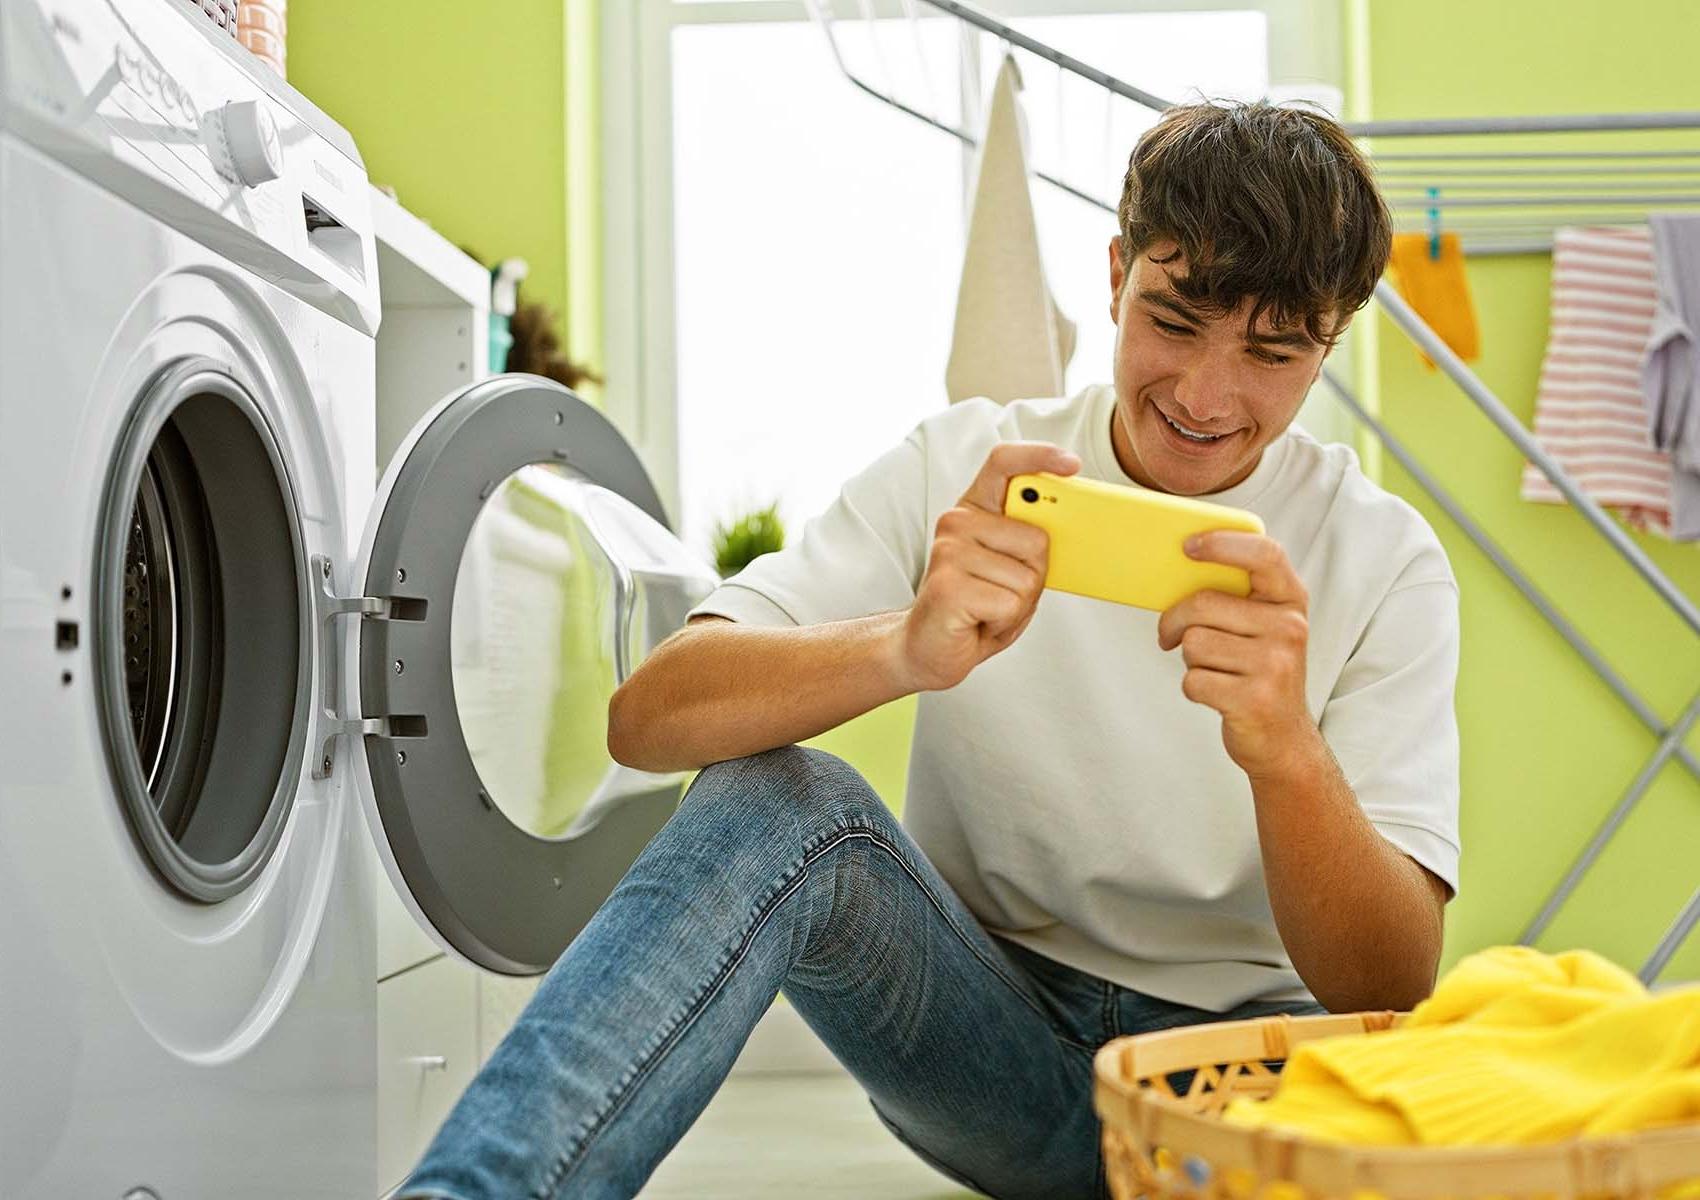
816 234
816 250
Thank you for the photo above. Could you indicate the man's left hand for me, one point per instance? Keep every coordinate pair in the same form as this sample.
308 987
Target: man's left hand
1245 656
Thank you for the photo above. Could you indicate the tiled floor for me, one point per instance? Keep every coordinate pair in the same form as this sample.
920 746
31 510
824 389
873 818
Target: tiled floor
767 1137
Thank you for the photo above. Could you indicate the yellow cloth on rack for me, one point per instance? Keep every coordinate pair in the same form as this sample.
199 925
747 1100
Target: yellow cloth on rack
1438 289
1514 1047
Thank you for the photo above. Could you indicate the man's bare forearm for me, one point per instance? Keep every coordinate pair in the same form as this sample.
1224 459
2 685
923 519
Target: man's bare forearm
1361 921
721 689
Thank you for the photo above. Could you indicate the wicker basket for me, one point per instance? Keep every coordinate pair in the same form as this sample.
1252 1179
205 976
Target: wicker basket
1159 1145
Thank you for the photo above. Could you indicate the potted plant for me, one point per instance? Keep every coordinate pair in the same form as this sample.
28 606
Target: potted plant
742 541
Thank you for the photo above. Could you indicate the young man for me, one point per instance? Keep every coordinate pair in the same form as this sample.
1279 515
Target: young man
1115 821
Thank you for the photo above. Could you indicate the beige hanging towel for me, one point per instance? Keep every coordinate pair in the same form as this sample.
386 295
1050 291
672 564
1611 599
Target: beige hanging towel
1010 340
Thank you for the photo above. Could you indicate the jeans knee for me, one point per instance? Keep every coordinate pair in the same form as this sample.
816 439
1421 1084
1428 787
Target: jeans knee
800 787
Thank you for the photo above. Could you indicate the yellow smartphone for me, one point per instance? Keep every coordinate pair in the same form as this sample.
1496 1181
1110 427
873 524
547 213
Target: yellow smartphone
1124 544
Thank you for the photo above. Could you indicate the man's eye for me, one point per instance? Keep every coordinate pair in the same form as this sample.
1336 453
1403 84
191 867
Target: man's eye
1274 360
1169 326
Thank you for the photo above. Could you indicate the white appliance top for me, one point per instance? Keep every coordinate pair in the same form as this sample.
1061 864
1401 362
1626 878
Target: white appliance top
171 116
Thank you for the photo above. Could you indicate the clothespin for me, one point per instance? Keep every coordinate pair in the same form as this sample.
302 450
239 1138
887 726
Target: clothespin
1434 224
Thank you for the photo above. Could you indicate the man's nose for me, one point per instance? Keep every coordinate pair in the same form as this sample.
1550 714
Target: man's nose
1206 389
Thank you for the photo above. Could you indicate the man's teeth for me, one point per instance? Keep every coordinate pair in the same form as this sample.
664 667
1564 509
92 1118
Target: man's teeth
1187 433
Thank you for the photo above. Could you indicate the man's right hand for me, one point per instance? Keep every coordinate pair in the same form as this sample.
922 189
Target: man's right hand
984 574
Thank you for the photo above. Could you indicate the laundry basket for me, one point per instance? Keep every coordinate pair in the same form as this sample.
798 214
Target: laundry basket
261 27
1158 1144
221 13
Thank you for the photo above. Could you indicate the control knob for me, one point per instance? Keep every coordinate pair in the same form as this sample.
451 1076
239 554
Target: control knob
242 137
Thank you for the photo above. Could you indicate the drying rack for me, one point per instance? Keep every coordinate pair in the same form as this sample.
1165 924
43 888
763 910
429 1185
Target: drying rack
1515 196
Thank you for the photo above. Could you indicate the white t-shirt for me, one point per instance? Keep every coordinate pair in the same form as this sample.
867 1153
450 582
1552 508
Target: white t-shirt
1079 804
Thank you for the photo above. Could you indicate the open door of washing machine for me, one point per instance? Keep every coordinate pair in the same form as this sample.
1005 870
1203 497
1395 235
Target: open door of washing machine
516 567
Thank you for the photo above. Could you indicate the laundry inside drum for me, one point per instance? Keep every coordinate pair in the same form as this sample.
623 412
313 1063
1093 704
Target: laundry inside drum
532 651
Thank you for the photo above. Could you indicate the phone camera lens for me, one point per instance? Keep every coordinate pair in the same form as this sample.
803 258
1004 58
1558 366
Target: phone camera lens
1031 495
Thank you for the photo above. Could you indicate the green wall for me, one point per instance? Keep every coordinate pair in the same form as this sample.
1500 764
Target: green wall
1547 750
460 107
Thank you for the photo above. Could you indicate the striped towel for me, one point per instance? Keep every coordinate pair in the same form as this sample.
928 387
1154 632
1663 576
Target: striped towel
1589 412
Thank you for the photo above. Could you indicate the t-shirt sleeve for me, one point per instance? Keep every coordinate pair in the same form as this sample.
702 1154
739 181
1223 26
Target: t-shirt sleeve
865 554
1392 725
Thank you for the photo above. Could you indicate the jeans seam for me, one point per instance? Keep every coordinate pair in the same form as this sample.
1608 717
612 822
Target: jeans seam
883 843
683 1020
813 851
954 1173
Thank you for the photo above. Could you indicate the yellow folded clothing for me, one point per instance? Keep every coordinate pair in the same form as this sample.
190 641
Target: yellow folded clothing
1514 1047
1439 289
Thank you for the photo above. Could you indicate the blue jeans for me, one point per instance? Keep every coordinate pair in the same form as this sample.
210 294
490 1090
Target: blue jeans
783 871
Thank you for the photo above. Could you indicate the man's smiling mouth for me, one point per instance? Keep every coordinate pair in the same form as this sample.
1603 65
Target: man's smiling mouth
1188 434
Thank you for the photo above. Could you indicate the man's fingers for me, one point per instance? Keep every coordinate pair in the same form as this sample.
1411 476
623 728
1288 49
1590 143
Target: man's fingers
1213 689
994 606
1004 535
1272 576
1015 458
1230 653
1016 574
1218 610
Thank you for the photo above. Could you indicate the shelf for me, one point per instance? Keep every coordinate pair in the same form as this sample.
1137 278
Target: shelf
419 267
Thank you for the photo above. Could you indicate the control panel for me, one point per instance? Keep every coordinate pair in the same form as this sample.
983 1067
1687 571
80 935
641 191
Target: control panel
135 95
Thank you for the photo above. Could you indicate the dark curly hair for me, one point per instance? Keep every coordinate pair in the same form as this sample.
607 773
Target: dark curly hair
1268 203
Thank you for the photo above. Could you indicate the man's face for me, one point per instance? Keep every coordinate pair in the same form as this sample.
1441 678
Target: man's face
1180 372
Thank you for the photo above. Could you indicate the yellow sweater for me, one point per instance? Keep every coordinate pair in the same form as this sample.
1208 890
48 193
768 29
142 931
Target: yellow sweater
1515 1046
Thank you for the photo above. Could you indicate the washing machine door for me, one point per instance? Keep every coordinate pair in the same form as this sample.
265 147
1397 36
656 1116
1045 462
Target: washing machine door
517 566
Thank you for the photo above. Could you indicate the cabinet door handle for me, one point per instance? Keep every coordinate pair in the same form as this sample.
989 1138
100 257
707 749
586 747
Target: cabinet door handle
429 1062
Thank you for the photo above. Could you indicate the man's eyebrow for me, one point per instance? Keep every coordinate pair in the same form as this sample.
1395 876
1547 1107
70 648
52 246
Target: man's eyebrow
1294 339
1169 302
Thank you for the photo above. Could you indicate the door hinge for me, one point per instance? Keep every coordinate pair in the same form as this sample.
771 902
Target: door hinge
329 606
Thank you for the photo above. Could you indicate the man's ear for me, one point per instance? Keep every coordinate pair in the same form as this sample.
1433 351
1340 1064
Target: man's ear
1118 274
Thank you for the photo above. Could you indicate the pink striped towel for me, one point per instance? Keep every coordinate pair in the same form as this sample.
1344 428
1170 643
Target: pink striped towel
1589 412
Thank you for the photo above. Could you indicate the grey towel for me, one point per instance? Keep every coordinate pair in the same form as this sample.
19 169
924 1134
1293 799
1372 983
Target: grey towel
1670 374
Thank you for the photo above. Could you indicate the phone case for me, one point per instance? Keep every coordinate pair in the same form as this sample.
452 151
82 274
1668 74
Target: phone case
1124 544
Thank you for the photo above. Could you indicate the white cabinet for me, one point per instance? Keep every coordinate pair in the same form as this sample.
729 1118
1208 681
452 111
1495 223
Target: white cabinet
501 999
434 335
427 1054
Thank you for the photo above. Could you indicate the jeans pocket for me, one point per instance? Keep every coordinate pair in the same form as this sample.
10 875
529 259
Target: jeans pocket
949 1172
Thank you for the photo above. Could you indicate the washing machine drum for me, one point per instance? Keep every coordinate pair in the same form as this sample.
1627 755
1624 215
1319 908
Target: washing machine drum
203 631
517 565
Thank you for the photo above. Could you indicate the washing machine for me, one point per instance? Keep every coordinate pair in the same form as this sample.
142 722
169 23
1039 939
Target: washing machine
229 655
